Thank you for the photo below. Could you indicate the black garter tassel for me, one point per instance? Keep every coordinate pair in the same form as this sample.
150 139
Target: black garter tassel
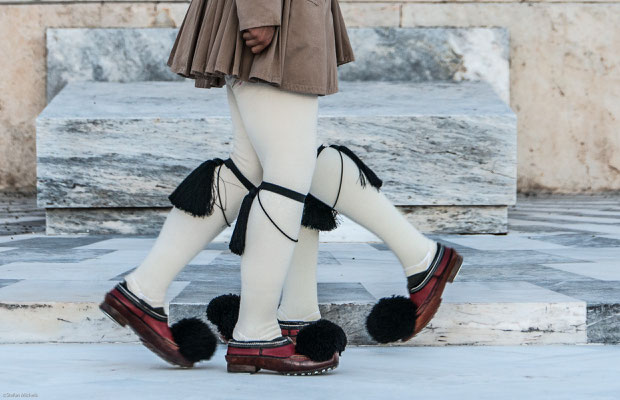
318 215
365 171
195 194
237 241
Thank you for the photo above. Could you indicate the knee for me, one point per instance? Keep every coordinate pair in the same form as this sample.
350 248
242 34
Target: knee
294 173
249 165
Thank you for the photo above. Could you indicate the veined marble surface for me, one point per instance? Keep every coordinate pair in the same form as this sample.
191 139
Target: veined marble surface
382 53
430 54
129 145
148 221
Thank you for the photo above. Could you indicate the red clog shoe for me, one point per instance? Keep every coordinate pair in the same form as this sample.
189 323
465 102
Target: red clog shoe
292 328
277 355
400 318
223 312
185 343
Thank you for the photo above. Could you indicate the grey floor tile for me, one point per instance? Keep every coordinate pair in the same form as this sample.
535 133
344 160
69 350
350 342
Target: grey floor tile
513 227
579 240
532 273
327 258
53 243
217 246
604 323
336 292
557 219
49 255
593 292
511 257
7 282
329 292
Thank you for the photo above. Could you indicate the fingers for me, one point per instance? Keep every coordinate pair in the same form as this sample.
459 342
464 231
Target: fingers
257 39
258 49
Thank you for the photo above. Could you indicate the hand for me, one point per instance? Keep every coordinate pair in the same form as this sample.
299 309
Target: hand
258 38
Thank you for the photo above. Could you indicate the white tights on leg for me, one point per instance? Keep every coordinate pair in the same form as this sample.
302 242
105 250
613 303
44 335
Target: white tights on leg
366 206
282 127
182 235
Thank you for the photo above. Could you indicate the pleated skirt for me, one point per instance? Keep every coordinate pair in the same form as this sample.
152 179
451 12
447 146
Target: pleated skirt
210 46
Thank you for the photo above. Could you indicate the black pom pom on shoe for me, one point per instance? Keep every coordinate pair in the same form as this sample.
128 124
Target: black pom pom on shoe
391 319
223 312
195 339
320 340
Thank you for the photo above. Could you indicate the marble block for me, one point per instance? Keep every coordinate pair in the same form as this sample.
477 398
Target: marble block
430 54
148 221
36 311
129 145
604 323
382 53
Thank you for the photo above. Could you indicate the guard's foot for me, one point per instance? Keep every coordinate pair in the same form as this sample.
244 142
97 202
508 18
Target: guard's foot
400 318
426 289
223 312
185 343
275 355
292 328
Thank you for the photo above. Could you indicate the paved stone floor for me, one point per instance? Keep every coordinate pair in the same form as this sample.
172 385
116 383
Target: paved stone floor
125 371
560 250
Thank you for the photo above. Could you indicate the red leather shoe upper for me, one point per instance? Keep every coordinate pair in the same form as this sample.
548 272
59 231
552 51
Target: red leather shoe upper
159 326
287 349
423 295
290 332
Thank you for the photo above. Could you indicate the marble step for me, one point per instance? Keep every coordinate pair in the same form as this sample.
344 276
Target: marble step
108 154
472 313
381 53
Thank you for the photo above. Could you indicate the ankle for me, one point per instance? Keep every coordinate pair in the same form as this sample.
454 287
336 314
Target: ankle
247 335
422 266
298 316
134 288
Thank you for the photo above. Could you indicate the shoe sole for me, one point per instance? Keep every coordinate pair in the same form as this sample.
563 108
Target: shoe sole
252 369
455 263
146 335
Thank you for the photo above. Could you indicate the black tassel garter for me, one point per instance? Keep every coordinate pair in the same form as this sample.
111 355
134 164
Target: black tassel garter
196 193
237 241
320 216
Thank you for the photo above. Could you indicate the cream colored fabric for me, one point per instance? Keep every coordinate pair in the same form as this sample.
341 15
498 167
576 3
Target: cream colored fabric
299 297
182 235
364 205
282 128
282 139
310 41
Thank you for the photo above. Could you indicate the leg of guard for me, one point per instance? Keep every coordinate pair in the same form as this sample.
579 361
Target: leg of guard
323 216
299 296
183 235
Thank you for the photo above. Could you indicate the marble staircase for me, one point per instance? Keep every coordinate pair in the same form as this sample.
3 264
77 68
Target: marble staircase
425 108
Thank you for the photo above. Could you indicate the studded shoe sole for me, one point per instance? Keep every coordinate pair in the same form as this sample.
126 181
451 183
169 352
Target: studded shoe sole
252 369
278 355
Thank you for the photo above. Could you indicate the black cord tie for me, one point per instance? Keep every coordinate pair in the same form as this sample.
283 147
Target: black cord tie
244 181
237 241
